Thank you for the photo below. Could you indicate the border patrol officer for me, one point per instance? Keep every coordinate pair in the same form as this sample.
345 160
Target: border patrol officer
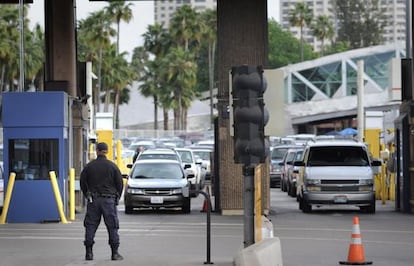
101 183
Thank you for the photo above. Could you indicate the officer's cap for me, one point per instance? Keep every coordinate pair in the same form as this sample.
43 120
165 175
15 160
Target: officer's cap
102 146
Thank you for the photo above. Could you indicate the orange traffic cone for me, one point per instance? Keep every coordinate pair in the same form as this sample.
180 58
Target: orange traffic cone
205 206
205 203
356 250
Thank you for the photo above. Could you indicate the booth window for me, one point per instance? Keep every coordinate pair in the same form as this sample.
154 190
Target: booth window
33 159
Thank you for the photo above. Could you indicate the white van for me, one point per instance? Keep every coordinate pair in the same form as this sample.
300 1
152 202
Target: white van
336 172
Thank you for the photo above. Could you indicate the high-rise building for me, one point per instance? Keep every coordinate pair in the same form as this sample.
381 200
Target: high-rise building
164 9
395 13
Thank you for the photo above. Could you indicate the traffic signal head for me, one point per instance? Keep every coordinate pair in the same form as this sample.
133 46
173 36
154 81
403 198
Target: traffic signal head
249 114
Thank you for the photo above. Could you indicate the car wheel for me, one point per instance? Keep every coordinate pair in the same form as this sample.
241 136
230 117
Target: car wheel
186 206
289 189
292 191
369 209
128 209
306 207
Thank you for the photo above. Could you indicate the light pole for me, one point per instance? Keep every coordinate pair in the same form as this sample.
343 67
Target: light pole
21 57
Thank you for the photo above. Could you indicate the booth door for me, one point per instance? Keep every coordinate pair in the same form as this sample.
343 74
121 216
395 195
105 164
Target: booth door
32 197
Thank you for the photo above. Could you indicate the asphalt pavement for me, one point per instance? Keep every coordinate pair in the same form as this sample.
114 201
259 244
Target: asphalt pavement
164 238
171 238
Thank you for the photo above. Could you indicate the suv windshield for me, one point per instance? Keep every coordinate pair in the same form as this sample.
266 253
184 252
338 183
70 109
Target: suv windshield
157 171
278 153
150 156
337 156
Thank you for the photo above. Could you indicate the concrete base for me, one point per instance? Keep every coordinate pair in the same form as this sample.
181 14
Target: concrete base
267 252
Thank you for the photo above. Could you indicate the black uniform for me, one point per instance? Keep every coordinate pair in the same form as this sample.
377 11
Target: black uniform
102 180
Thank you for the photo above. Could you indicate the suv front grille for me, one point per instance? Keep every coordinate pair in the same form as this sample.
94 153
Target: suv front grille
339 188
158 192
340 182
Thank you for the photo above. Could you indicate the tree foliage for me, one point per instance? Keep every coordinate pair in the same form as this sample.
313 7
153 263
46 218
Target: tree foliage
284 47
301 16
361 22
176 63
10 47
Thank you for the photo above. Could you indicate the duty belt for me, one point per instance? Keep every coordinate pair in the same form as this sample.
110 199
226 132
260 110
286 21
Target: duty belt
103 195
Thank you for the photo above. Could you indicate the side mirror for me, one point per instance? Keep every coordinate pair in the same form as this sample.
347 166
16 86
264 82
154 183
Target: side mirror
376 163
186 166
129 165
299 163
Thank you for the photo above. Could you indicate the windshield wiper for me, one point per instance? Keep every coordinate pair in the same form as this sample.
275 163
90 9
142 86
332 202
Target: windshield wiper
140 176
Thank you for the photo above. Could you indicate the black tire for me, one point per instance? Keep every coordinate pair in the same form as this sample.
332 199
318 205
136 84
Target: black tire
306 207
289 189
369 209
283 185
292 191
186 206
128 209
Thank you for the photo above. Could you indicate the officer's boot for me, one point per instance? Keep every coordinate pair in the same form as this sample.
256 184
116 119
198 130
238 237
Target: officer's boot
115 254
89 253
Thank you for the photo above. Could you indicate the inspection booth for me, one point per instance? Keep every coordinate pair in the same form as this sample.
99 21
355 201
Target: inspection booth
35 139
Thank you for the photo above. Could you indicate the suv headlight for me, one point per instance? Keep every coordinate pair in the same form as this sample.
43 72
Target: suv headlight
366 185
312 185
313 182
176 191
138 191
365 182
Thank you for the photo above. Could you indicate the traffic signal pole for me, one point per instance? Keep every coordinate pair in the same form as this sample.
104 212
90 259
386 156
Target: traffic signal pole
250 146
248 175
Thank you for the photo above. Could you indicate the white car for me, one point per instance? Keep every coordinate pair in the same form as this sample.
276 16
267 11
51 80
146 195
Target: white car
195 174
204 155
159 153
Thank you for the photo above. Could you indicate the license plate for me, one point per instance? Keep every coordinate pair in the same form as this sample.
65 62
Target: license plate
340 199
157 200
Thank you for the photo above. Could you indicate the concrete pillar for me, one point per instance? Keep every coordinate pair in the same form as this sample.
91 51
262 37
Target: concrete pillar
242 39
60 70
60 44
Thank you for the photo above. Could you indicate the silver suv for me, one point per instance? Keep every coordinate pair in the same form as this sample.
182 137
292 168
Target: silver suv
336 172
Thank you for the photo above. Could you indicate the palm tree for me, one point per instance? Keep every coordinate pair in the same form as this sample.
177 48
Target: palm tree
300 16
155 39
156 42
323 29
97 32
209 35
181 73
185 29
9 44
150 85
118 75
119 11
34 46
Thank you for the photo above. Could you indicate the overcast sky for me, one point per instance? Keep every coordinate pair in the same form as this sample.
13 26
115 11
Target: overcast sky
131 33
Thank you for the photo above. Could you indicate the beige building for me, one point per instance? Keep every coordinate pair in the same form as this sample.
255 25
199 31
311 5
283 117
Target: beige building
394 11
164 9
